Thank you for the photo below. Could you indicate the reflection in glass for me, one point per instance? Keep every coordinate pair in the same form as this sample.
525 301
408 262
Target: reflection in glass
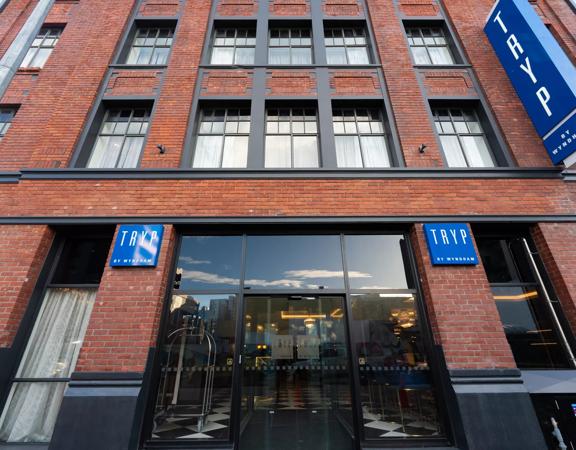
376 262
395 386
209 262
296 378
194 398
529 328
294 262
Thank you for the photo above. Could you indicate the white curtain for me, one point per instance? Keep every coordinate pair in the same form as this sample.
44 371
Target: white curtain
305 151
453 152
278 152
348 151
51 352
235 152
208 152
477 151
374 151
358 55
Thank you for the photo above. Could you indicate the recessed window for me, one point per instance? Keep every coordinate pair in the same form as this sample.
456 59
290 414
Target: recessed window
151 45
291 138
346 46
42 47
290 46
360 138
234 46
522 303
121 138
54 344
463 138
222 138
429 45
6 116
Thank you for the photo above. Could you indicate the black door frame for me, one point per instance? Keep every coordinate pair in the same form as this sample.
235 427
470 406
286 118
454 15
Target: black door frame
240 339
447 406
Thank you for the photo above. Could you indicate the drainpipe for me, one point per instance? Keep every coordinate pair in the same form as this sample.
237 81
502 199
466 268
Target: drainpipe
13 57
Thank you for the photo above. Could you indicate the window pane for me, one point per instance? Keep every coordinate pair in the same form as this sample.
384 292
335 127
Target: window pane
374 151
477 151
305 151
440 55
203 327
301 56
452 151
278 152
160 55
210 262
131 152
235 152
298 262
144 56
336 55
529 328
244 56
106 152
376 262
358 55
133 56
208 152
397 398
279 56
420 55
222 55
348 151
82 261
41 57
58 334
31 411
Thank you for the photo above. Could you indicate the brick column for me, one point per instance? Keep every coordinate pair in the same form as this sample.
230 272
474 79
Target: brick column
124 322
464 317
23 249
556 244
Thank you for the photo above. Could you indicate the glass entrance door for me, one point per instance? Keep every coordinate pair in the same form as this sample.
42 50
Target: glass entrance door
296 386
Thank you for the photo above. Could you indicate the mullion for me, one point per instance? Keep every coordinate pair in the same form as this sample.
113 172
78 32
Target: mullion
124 136
224 133
234 50
291 138
458 135
152 54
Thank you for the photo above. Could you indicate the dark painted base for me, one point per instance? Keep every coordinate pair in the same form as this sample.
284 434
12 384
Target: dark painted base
97 413
496 411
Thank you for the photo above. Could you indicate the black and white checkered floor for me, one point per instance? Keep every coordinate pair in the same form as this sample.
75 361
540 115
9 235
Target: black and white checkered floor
389 424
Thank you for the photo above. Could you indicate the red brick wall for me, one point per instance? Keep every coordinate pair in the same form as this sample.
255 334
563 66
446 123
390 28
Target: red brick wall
291 82
353 82
160 8
408 104
463 313
296 197
419 7
290 7
134 82
20 86
124 321
23 249
237 7
12 18
66 88
341 7
173 107
556 245
235 83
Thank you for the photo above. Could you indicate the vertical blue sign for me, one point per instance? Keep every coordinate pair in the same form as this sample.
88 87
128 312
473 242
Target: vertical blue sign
540 71
137 246
450 243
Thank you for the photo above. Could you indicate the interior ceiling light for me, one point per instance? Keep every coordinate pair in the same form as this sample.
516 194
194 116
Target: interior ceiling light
531 294
300 315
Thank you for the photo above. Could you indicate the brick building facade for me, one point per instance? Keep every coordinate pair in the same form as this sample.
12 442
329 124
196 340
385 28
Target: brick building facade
265 136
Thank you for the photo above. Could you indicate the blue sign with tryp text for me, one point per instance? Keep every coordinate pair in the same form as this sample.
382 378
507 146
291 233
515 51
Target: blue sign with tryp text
542 74
450 243
137 246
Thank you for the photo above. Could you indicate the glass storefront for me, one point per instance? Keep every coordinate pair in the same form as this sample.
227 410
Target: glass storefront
279 342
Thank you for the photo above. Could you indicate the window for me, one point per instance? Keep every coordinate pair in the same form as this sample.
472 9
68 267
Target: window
234 46
54 344
222 138
6 116
121 138
290 46
522 303
42 47
151 45
291 138
463 139
360 138
429 45
346 46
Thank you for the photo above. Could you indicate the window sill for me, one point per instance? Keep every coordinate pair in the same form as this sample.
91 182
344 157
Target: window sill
29 70
388 173
138 66
442 66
